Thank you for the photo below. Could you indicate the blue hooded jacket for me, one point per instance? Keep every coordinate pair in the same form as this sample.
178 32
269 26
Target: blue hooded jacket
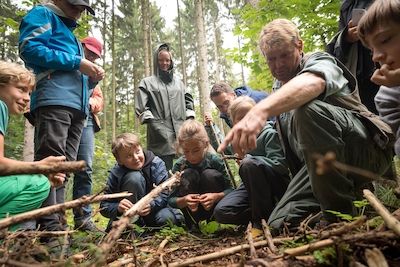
48 46
247 91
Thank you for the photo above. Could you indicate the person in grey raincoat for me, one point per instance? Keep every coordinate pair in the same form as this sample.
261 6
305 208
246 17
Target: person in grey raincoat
163 103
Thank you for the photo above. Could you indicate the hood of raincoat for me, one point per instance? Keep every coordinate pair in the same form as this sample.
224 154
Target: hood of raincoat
165 76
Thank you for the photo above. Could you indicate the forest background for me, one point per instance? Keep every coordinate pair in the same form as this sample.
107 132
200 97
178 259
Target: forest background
131 28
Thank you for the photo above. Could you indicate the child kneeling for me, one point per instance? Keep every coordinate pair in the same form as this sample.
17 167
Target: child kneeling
204 181
136 171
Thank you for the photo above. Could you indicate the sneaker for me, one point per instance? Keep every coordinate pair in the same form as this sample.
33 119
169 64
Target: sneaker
87 226
58 247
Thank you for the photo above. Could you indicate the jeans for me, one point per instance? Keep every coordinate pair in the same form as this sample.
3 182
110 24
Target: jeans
58 131
83 180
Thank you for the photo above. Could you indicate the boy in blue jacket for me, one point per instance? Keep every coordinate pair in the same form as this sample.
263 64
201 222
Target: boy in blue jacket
136 171
59 103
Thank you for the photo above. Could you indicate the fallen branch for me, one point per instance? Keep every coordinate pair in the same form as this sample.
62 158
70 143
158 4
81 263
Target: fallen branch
44 168
253 253
120 225
225 252
390 221
349 239
343 229
268 236
34 214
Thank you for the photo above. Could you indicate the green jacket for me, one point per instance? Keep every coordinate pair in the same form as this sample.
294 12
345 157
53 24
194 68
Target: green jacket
210 161
163 105
269 150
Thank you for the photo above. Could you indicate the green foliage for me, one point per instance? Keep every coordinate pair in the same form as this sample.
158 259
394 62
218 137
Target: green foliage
14 139
171 231
316 19
210 228
326 256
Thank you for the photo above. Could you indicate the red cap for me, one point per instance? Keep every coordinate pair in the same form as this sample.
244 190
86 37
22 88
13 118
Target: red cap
93 45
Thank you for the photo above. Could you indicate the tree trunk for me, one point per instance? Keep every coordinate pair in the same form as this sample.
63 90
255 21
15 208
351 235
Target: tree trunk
104 82
113 71
202 57
181 45
216 50
28 153
146 37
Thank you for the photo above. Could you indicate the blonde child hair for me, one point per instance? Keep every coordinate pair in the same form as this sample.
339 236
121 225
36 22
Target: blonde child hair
13 73
240 106
192 130
380 12
125 140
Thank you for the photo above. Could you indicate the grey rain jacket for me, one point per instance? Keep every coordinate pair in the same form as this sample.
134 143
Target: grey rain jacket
163 106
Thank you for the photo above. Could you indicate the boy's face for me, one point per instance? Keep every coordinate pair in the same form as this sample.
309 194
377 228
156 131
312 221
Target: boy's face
131 157
16 96
384 43
71 11
223 101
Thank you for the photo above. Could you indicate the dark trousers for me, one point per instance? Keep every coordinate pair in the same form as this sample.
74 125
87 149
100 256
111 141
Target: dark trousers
195 182
255 199
318 127
57 133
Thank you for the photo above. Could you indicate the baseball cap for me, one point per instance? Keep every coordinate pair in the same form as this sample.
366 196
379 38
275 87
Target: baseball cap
84 3
93 45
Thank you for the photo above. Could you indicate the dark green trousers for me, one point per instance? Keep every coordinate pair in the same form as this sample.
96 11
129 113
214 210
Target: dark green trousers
318 127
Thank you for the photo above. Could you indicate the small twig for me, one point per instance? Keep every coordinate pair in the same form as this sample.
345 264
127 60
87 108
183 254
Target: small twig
390 220
344 229
253 253
327 162
268 236
225 252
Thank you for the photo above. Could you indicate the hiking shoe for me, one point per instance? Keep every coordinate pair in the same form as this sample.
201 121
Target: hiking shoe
87 226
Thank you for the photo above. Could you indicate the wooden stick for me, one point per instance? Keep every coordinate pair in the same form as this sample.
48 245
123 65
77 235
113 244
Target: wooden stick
228 169
225 252
343 229
309 247
120 225
390 220
253 253
268 236
44 168
34 214
327 162
368 236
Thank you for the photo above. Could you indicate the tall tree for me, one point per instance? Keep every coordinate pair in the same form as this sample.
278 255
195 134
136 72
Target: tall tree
182 51
113 99
202 56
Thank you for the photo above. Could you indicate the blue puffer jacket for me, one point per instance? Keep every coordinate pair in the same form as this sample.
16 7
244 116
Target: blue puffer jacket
48 46
247 91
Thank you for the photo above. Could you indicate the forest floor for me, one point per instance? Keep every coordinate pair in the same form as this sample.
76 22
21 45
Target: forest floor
360 241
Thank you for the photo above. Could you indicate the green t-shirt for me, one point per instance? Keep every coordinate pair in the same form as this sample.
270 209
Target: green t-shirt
3 118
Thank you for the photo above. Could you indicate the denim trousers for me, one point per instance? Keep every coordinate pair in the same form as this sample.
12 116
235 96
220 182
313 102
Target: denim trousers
83 180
